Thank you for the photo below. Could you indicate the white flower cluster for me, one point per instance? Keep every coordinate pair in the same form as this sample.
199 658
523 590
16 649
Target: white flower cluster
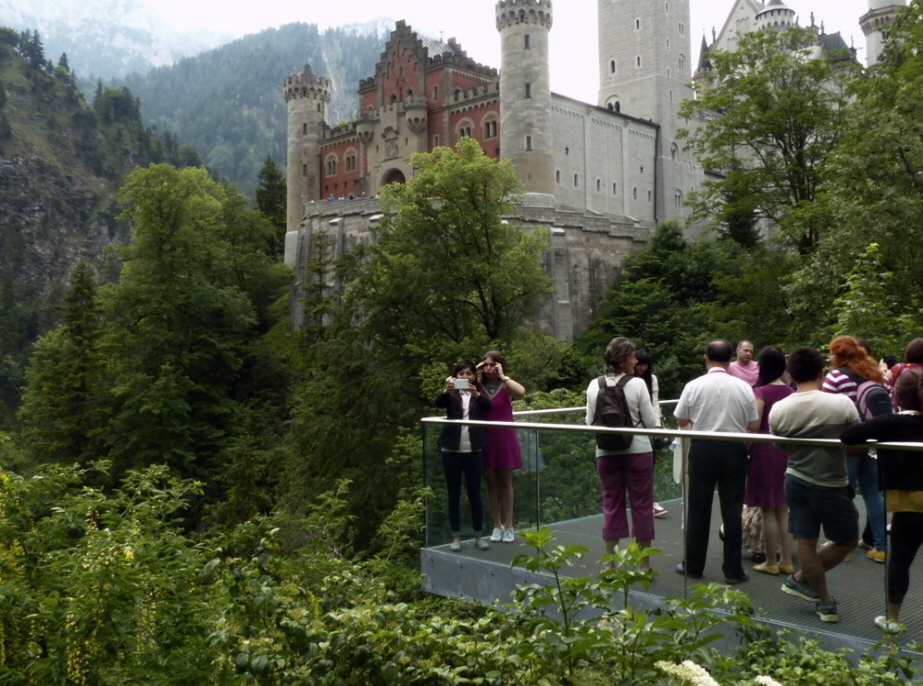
688 672
767 681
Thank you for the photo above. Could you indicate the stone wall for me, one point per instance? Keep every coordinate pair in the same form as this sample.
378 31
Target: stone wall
585 260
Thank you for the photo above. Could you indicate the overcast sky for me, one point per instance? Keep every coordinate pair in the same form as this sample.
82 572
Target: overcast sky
574 69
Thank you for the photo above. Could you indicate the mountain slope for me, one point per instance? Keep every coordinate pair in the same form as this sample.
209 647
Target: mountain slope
228 101
61 164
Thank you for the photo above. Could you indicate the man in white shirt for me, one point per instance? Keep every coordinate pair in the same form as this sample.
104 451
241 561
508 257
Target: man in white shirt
716 401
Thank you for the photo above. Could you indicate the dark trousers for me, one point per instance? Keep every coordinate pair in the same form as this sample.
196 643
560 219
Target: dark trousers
906 539
722 464
471 465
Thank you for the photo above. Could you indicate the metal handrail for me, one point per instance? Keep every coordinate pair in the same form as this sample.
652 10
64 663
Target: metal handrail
671 433
566 410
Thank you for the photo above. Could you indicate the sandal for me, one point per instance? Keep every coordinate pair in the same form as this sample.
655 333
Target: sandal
765 568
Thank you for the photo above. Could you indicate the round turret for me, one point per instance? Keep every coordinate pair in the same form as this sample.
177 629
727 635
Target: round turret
525 91
775 16
307 96
876 26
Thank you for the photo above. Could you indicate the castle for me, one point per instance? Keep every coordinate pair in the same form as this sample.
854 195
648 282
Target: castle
601 175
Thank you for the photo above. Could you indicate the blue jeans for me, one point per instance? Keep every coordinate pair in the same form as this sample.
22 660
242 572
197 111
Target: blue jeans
863 477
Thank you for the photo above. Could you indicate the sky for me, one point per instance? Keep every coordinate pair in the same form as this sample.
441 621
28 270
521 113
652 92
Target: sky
574 67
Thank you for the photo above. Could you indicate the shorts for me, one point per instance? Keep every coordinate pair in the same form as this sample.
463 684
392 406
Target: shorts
811 507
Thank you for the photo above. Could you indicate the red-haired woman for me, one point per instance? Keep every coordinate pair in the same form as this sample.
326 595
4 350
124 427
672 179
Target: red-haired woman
852 366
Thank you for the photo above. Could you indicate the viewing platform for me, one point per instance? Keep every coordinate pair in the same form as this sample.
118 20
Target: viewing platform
558 488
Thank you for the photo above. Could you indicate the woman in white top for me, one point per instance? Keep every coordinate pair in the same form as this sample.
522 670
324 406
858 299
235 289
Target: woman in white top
630 469
645 370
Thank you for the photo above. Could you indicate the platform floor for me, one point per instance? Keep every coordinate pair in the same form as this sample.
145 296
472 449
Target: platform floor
858 584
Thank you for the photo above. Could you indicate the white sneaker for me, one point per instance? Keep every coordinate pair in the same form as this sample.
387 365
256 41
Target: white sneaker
509 536
659 510
887 625
455 545
481 544
497 535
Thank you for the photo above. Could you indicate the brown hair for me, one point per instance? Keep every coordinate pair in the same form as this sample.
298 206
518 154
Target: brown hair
909 390
845 351
913 353
618 350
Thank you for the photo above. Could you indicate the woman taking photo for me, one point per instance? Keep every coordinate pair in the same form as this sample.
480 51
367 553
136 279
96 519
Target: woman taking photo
766 476
630 469
902 480
502 453
461 446
851 366
645 370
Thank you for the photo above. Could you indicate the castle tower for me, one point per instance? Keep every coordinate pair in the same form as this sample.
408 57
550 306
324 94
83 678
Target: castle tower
645 69
307 96
525 91
775 17
875 25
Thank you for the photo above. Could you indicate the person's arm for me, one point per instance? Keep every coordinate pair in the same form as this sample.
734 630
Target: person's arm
514 388
684 424
754 415
655 400
442 400
863 432
484 403
645 408
591 391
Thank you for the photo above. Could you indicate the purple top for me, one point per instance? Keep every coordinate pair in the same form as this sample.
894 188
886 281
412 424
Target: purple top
502 450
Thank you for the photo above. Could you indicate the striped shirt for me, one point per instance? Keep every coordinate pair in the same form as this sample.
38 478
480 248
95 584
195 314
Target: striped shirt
839 382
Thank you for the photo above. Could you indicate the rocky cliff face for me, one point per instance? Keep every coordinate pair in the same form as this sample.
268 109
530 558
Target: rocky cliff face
61 164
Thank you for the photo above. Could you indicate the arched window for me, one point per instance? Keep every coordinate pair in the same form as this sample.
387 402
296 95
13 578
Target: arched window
637 24
615 189
409 93
557 176
682 63
331 165
678 198
611 66
674 151
599 185
638 61
576 181
634 192
393 98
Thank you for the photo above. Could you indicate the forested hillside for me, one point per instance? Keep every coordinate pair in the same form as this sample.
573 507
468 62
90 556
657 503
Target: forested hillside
62 161
228 102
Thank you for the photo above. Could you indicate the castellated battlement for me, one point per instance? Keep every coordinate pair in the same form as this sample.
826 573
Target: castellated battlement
517 12
305 84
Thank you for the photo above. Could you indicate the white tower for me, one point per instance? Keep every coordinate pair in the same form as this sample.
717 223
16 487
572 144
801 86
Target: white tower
775 16
645 71
525 91
307 96
875 24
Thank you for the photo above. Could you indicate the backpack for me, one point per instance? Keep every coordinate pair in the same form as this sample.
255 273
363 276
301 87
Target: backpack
612 411
872 399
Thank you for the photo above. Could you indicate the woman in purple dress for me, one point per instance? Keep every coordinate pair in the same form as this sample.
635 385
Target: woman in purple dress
766 477
502 453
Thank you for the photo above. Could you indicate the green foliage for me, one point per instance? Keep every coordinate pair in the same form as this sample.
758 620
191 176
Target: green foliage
272 199
782 109
872 306
62 412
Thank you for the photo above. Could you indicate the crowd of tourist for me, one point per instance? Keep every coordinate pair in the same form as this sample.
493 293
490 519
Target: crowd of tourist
793 492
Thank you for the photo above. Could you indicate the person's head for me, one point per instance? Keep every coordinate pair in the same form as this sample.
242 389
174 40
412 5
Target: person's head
465 370
889 360
620 356
806 365
772 365
909 390
866 346
744 352
489 363
718 353
845 351
913 353
643 367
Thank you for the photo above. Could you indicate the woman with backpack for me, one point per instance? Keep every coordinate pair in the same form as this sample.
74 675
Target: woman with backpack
902 480
855 374
624 462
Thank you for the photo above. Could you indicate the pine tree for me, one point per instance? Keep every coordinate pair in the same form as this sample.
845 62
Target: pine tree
62 407
271 199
